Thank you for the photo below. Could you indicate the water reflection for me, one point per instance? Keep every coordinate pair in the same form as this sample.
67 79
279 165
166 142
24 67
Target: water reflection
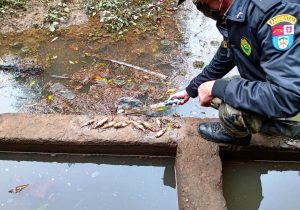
261 185
87 182
17 92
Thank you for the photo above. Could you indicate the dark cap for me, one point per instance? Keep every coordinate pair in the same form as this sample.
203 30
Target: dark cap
180 2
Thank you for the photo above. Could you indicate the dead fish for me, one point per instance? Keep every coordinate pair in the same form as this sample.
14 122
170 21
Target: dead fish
121 124
109 125
18 189
158 122
100 123
147 125
87 123
176 125
139 126
161 133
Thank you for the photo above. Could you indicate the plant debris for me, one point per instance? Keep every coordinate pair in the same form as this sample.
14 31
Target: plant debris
18 189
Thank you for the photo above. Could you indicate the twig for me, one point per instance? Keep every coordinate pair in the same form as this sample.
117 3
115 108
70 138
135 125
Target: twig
139 68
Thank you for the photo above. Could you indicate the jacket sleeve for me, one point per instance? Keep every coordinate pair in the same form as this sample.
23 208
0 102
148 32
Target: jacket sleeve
220 65
279 94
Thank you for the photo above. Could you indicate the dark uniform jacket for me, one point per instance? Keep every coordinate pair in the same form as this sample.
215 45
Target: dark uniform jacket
261 38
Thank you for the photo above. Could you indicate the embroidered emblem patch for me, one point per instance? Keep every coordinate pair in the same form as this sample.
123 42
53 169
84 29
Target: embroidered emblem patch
245 46
282 31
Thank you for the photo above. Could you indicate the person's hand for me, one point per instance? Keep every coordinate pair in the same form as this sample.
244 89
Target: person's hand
183 95
204 93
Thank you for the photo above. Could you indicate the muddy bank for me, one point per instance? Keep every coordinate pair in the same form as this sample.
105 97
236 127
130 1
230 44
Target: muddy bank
32 15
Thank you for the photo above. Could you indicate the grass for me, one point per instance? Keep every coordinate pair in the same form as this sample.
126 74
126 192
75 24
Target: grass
118 15
6 5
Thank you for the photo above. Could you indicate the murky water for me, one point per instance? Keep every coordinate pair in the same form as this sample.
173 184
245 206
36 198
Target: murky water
71 54
87 182
261 185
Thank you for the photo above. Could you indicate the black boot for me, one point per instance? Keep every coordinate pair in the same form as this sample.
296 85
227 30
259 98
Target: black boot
215 132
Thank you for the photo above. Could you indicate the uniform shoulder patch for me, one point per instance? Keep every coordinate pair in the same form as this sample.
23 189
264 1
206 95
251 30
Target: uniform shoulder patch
246 46
282 31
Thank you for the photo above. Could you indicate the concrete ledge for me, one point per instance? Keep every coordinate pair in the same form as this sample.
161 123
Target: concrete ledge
198 162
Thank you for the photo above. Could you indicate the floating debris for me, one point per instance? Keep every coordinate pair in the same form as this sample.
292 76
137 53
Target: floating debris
161 133
100 123
171 91
87 123
18 189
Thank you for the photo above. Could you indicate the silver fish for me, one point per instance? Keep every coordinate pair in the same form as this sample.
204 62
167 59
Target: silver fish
138 126
121 124
100 123
161 133
109 125
87 123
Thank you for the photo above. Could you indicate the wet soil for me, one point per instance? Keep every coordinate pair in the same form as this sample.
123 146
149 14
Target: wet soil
78 58
32 15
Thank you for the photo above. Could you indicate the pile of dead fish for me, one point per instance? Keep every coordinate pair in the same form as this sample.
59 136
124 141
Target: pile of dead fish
160 127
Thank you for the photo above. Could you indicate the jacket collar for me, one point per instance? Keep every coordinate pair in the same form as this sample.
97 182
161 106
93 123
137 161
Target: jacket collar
237 11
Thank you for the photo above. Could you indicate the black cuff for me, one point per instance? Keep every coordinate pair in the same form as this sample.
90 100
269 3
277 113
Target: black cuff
191 92
219 87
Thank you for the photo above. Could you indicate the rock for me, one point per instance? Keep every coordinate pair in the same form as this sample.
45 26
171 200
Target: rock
62 91
165 42
15 64
128 103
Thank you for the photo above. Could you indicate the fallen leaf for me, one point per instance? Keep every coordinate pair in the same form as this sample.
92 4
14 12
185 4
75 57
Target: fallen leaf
171 91
98 78
160 109
31 83
50 97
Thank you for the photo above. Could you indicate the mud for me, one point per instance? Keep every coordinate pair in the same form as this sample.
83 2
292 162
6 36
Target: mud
32 16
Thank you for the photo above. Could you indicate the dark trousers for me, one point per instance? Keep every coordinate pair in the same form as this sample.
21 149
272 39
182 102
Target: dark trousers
240 123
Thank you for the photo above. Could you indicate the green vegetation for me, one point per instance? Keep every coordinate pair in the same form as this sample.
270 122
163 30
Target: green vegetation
5 5
57 14
117 15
